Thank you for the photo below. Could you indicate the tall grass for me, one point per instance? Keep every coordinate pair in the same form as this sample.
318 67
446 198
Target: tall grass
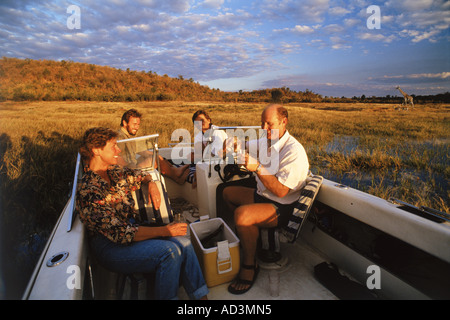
39 140
371 147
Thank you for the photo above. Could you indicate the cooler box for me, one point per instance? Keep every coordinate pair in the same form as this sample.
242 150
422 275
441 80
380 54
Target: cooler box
221 262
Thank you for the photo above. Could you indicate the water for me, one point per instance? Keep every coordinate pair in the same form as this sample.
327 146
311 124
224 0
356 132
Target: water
343 144
424 166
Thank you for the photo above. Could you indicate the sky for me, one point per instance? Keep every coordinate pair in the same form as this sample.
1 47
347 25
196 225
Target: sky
331 47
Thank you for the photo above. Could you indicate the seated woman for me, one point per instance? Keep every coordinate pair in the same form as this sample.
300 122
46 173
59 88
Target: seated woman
106 207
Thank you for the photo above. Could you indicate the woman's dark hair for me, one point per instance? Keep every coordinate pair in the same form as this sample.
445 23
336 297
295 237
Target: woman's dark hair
203 112
95 138
130 113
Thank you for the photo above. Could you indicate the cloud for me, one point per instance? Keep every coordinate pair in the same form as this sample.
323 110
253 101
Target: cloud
303 82
298 29
411 5
287 48
418 36
338 11
305 11
376 37
416 78
425 19
147 37
216 39
212 4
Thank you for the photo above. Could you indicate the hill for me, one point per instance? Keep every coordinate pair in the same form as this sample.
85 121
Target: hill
47 80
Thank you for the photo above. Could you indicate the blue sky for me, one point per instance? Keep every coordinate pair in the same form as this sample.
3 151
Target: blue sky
325 46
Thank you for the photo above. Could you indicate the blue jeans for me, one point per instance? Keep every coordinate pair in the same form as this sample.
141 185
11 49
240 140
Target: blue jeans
171 259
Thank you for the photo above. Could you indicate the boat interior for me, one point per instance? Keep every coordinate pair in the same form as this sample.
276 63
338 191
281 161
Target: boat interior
349 245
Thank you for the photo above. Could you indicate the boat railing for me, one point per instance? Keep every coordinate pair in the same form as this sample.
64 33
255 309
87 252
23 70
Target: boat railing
78 172
423 211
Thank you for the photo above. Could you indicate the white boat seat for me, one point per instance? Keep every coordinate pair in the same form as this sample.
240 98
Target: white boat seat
270 237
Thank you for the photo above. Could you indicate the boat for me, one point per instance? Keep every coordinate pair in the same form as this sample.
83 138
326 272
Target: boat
351 245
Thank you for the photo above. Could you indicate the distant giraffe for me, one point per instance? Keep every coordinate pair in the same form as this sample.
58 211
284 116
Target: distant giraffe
407 97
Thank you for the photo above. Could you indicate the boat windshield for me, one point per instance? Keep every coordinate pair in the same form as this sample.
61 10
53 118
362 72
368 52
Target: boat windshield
139 152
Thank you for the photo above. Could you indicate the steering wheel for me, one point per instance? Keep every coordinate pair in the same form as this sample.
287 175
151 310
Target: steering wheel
230 170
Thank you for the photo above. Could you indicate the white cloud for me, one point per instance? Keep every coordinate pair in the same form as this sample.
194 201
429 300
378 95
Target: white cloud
218 39
212 4
287 48
418 36
339 44
411 5
339 11
333 28
351 22
376 37
302 29
305 11
418 79
440 75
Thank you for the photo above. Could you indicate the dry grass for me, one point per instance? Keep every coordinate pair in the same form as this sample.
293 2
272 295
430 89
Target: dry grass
371 147
39 140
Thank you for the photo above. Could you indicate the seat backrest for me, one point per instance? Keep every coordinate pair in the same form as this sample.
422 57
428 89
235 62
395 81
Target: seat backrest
146 149
302 209
148 214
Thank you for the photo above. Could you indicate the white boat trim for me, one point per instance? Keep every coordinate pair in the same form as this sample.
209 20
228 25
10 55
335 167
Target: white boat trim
385 216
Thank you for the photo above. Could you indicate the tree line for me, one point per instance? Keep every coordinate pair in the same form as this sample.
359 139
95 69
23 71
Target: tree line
48 80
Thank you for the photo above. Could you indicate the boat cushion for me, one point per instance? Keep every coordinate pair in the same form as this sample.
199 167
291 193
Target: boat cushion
301 211
269 238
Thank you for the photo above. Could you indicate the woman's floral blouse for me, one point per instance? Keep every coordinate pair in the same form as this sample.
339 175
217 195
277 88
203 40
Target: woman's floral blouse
109 209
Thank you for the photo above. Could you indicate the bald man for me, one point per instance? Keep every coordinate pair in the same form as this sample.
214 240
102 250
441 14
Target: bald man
278 188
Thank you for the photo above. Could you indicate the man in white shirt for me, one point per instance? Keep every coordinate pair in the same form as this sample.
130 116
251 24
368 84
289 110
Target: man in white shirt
279 184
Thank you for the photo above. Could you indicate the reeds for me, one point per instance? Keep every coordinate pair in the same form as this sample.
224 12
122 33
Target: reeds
367 146
371 147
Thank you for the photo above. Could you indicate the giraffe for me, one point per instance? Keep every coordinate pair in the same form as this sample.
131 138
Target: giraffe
407 97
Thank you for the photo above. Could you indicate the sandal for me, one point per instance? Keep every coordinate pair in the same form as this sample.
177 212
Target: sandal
238 281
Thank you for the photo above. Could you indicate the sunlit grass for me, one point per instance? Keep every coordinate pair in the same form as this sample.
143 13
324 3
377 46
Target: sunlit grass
371 147
368 146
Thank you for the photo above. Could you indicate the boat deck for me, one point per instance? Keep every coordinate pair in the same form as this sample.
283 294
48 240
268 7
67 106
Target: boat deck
297 281
296 277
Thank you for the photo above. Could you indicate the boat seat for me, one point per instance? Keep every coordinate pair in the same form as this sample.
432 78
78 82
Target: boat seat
149 216
135 286
269 252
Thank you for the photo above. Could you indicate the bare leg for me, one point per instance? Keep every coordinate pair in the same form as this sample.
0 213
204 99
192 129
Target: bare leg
178 174
249 217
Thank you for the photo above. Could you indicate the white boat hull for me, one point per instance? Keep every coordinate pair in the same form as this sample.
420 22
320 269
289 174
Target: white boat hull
61 282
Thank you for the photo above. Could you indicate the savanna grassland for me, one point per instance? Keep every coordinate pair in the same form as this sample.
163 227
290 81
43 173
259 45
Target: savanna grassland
372 147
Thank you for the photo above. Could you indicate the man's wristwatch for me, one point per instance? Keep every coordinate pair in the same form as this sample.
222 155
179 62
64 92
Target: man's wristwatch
258 168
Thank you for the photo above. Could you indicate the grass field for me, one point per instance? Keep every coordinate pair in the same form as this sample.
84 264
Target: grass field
372 147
